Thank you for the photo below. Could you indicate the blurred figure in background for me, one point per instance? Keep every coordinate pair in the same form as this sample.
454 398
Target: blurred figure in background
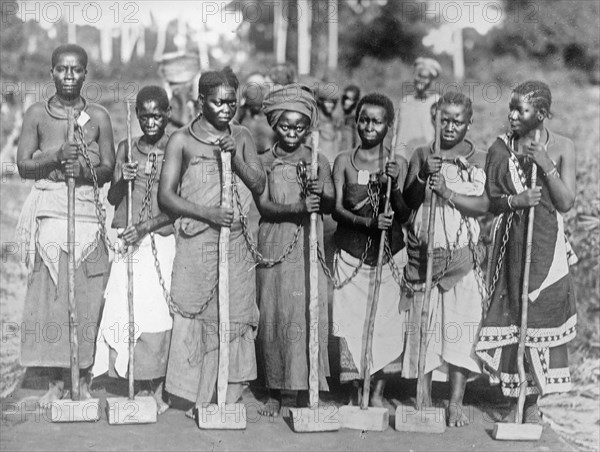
330 126
282 74
350 98
180 72
415 127
250 113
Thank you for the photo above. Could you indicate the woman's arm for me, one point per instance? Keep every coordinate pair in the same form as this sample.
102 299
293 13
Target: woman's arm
45 162
117 188
168 197
397 201
106 149
246 164
561 181
341 214
419 170
324 186
136 232
278 213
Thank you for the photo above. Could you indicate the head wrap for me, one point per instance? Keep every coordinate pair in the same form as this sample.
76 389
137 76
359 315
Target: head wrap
432 66
292 97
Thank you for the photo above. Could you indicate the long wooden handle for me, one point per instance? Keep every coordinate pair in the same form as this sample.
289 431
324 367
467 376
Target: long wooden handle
314 327
525 300
424 323
131 373
73 338
372 306
226 201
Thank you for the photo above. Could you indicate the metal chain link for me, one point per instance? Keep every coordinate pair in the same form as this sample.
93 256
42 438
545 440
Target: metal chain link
501 254
147 209
392 263
481 285
147 201
100 214
374 200
173 307
260 260
449 256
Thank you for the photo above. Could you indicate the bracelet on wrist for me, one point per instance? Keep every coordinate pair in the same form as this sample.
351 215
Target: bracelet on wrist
420 179
552 173
449 200
509 201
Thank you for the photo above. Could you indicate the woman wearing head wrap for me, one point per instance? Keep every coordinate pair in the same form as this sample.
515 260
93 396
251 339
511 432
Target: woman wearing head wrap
285 207
415 125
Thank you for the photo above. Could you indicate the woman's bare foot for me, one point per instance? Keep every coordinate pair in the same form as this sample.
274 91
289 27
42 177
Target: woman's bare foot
377 394
161 405
271 408
84 389
55 392
191 413
427 400
455 415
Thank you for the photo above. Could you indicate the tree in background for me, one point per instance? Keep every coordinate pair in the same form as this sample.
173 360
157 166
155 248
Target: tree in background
554 30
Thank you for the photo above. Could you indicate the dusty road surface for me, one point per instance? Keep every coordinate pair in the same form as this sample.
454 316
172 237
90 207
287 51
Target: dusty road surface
24 427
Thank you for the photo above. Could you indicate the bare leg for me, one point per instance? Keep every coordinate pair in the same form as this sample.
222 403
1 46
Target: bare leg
272 407
455 415
157 393
377 393
234 392
56 387
84 385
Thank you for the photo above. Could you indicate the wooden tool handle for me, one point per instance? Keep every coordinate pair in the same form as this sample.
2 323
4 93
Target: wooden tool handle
525 300
226 201
131 372
424 323
372 306
313 381
73 338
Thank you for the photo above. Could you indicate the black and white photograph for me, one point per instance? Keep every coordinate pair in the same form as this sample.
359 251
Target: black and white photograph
328 225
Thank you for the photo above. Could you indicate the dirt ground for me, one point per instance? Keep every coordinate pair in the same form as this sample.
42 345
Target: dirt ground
24 427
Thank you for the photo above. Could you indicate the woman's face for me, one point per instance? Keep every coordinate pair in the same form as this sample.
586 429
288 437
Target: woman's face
68 74
153 119
291 129
219 106
455 122
523 115
372 125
